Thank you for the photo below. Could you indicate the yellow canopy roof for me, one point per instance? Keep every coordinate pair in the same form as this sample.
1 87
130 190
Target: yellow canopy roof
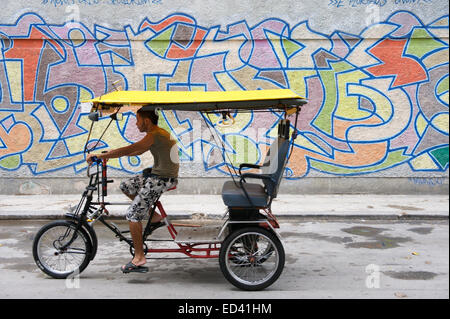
199 100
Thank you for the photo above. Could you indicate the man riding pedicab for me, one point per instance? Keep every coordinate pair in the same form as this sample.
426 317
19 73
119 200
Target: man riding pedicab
144 189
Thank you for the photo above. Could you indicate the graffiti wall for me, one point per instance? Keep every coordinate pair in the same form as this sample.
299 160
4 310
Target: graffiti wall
378 98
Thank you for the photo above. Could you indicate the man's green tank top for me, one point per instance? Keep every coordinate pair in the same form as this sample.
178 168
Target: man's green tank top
165 154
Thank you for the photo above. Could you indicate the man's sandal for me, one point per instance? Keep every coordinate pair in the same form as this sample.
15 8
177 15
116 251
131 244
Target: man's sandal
130 267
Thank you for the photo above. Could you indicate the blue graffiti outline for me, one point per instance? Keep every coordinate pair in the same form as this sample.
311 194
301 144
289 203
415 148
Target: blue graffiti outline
258 70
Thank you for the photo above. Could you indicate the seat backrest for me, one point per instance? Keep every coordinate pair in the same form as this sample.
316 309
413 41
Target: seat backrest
274 165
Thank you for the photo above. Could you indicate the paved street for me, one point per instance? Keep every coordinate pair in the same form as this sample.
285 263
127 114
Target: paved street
350 258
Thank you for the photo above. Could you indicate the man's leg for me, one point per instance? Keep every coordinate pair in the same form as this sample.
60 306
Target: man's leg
142 202
130 188
136 235
155 218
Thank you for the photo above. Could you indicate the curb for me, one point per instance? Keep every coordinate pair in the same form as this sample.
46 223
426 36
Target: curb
50 215
370 207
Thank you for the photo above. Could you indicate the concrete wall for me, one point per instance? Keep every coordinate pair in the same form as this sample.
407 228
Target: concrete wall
375 74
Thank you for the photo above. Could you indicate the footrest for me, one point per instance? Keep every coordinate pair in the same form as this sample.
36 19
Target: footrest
203 234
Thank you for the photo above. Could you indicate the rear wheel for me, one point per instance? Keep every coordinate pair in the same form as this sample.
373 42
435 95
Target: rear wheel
51 254
252 258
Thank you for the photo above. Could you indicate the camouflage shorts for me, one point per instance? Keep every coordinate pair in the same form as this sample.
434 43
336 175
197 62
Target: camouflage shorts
147 191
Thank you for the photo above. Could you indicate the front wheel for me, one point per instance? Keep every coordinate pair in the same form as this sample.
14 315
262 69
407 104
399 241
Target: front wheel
60 250
252 258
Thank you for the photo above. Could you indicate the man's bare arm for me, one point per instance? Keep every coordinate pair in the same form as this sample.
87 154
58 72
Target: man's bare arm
130 150
136 153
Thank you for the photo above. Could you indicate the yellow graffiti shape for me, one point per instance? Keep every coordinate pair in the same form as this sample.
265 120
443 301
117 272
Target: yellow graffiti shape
422 162
440 121
226 81
401 113
436 58
314 42
14 72
348 105
421 124
297 80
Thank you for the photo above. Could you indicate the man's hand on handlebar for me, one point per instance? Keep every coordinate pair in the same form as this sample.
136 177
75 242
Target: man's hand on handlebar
91 158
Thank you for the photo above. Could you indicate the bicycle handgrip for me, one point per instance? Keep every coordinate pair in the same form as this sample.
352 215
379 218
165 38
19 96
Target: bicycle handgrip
95 159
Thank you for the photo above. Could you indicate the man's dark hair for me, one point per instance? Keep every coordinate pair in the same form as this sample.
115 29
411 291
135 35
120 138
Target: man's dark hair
149 115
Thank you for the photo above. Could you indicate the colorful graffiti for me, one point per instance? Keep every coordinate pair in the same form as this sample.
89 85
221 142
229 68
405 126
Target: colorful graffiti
377 100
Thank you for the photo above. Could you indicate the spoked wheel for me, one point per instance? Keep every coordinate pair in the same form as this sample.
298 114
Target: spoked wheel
52 254
252 258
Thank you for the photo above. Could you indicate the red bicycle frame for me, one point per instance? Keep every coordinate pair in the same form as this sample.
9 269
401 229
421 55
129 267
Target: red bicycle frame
192 250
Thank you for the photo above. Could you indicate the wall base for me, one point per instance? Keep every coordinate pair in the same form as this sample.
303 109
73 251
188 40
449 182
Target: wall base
312 185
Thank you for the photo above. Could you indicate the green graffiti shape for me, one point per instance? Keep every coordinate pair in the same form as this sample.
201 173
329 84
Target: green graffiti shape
10 162
421 43
328 77
160 43
441 155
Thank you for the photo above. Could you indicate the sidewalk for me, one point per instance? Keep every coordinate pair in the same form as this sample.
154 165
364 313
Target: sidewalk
211 206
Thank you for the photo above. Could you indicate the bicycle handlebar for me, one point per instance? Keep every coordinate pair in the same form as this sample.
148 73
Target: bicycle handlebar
95 159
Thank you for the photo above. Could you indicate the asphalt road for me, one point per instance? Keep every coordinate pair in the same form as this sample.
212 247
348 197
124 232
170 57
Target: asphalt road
349 259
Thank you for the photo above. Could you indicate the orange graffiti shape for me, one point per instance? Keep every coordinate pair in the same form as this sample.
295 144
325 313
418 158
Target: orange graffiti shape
177 52
16 140
29 52
405 69
362 154
159 26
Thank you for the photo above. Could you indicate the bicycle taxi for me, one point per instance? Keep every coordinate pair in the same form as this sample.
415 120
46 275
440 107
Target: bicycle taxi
250 252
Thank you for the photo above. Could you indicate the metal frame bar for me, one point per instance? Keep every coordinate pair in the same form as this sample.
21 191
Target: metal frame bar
280 104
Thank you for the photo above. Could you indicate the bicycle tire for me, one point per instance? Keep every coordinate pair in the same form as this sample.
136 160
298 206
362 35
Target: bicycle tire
55 234
236 262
